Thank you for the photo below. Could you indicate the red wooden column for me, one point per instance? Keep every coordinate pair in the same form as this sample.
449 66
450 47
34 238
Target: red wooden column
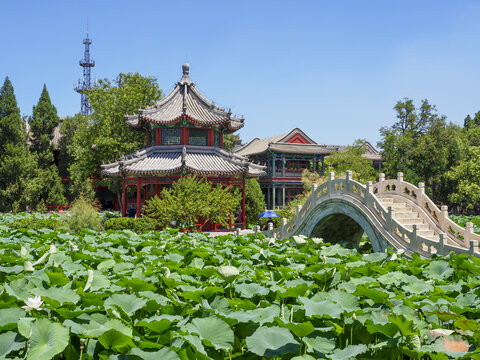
229 220
243 205
139 188
124 199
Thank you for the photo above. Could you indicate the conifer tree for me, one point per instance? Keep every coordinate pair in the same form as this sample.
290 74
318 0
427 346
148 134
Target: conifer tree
17 167
43 121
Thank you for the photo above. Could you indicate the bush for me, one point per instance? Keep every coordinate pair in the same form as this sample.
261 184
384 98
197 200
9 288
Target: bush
138 225
36 223
83 214
111 215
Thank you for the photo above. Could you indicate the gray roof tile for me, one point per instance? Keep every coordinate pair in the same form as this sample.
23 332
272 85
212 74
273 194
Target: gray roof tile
185 100
161 160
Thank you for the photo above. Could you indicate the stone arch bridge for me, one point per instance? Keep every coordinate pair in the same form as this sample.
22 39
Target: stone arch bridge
393 213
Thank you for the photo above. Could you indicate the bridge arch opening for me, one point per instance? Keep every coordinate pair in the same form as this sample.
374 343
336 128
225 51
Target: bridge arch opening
337 220
337 227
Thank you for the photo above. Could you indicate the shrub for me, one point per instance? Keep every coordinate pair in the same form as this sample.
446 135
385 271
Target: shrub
36 223
83 214
138 225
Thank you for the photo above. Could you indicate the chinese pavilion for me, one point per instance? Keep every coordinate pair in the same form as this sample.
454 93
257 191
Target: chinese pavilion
184 135
286 157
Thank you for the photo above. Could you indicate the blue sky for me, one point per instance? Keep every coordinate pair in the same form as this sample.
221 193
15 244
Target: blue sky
335 69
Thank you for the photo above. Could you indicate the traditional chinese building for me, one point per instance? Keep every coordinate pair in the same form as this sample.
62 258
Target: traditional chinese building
184 135
286 157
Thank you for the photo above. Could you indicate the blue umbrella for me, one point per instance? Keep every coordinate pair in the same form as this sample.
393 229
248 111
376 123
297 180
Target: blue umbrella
269 214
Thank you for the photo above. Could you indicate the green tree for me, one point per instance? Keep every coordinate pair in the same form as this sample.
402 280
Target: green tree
16 163
229 141
466 176
66 157
43 121
469 122
352 159
106 137
422 146
190 199
254 200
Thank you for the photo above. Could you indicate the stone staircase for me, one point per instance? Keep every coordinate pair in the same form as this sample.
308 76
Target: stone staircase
409 216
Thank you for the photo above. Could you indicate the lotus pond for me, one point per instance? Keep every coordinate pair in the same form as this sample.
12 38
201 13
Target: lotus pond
166 295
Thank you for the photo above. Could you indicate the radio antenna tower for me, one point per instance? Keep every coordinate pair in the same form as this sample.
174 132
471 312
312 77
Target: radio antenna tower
84 84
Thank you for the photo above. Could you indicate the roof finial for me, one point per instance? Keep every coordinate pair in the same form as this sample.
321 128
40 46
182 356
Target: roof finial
186 68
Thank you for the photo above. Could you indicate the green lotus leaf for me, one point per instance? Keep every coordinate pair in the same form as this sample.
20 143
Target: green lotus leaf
213 330
375 257
347 302
349 352
319 344
24 326
159 323
9 317
99 281
389 329
438 270
116 340
321 308
406 327
272 342
48 339
299 329
377 296
196 342
164 354
251 290
107 264
61 295
20 288
128 302
303 357
8 343
260 316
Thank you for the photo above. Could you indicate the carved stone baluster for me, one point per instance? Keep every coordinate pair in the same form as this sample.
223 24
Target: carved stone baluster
421 194
381 180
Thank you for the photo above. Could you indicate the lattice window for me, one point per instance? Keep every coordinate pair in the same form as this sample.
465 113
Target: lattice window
198 136
171 136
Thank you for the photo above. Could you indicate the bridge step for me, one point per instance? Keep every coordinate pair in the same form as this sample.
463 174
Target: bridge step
408 216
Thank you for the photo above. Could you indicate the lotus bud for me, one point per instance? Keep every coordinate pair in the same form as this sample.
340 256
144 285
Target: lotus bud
354 317
53 249
89 280
23 251
27 266
300 241
41 260
116 314
228 272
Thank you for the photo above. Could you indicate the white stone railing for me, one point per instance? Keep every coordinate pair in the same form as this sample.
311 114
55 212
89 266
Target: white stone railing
459 240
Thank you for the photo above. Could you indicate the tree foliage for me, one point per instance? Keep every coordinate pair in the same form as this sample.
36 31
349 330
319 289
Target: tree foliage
229 141
17 165
191 199
352 159
254 200
422 146
43 121
105 137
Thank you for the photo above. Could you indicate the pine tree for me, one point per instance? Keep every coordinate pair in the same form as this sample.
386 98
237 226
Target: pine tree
17 166
11 123
43 121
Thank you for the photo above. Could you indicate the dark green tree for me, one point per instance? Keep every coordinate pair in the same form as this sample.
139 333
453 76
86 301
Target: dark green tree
43 121
469 122
17 165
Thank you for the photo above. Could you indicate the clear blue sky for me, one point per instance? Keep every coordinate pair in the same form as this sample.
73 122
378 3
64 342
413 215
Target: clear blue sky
333 68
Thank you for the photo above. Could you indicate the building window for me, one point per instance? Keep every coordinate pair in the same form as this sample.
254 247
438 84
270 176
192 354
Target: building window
198 136
216 139
171 136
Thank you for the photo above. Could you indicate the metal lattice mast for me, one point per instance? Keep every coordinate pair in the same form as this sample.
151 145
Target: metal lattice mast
84 84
